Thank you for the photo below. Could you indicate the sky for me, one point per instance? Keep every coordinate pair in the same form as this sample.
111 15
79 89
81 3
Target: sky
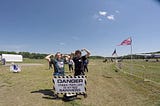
49 26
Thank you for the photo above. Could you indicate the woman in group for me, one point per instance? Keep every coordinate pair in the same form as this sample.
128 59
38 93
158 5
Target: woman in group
58 63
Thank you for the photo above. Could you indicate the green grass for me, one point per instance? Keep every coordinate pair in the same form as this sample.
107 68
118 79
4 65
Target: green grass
26 60
105 87
149 70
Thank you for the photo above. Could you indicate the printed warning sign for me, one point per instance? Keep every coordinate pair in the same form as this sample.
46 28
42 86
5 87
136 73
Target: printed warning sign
70 85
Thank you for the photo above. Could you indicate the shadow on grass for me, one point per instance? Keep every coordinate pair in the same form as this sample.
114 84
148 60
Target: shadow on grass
50 95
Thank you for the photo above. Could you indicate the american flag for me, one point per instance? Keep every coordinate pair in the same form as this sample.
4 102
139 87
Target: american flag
114 52
127 41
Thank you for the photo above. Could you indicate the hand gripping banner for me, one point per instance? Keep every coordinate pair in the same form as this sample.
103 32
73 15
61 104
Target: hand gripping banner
70 84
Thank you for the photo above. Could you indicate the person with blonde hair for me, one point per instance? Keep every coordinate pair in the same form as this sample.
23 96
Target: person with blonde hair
58 63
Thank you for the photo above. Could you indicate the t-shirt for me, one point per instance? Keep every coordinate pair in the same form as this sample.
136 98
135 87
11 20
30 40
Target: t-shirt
86 62
79 66
70 62
58 66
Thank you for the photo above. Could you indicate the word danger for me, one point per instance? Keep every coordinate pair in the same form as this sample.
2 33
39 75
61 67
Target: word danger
69 80
69 85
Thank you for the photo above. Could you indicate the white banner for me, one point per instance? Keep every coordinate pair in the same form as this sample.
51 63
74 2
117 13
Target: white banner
69 85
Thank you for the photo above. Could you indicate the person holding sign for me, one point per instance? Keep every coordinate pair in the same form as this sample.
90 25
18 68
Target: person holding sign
79 61
58 64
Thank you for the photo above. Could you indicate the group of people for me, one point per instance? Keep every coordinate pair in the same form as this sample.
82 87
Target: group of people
77 60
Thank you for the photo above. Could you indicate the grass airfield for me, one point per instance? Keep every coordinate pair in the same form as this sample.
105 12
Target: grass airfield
106 85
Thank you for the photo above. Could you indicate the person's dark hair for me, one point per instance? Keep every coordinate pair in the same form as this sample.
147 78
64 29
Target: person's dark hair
77 52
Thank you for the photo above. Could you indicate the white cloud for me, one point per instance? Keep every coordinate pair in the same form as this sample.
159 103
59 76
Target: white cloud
111 17
102 13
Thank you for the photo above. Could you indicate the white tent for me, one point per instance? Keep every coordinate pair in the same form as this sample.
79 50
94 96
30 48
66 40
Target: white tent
12 57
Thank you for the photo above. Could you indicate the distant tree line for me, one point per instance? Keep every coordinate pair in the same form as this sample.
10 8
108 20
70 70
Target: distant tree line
154 52
133 57
38 55
137 57
96 57
123 57
42 56
26 54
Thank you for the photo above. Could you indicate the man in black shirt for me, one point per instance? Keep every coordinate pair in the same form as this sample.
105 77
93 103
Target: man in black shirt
79 61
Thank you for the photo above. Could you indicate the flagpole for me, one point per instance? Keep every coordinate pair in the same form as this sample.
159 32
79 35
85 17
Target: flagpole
131 51
131 56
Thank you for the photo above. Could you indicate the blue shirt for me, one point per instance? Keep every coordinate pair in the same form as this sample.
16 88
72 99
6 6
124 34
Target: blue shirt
58 67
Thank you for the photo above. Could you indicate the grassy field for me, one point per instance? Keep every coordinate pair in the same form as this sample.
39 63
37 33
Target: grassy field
105 87
146 70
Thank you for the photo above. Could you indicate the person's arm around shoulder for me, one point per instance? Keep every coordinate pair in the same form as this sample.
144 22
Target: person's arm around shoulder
48 57
87 51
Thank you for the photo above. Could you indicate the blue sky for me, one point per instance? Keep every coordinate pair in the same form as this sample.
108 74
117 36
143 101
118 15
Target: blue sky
48 26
